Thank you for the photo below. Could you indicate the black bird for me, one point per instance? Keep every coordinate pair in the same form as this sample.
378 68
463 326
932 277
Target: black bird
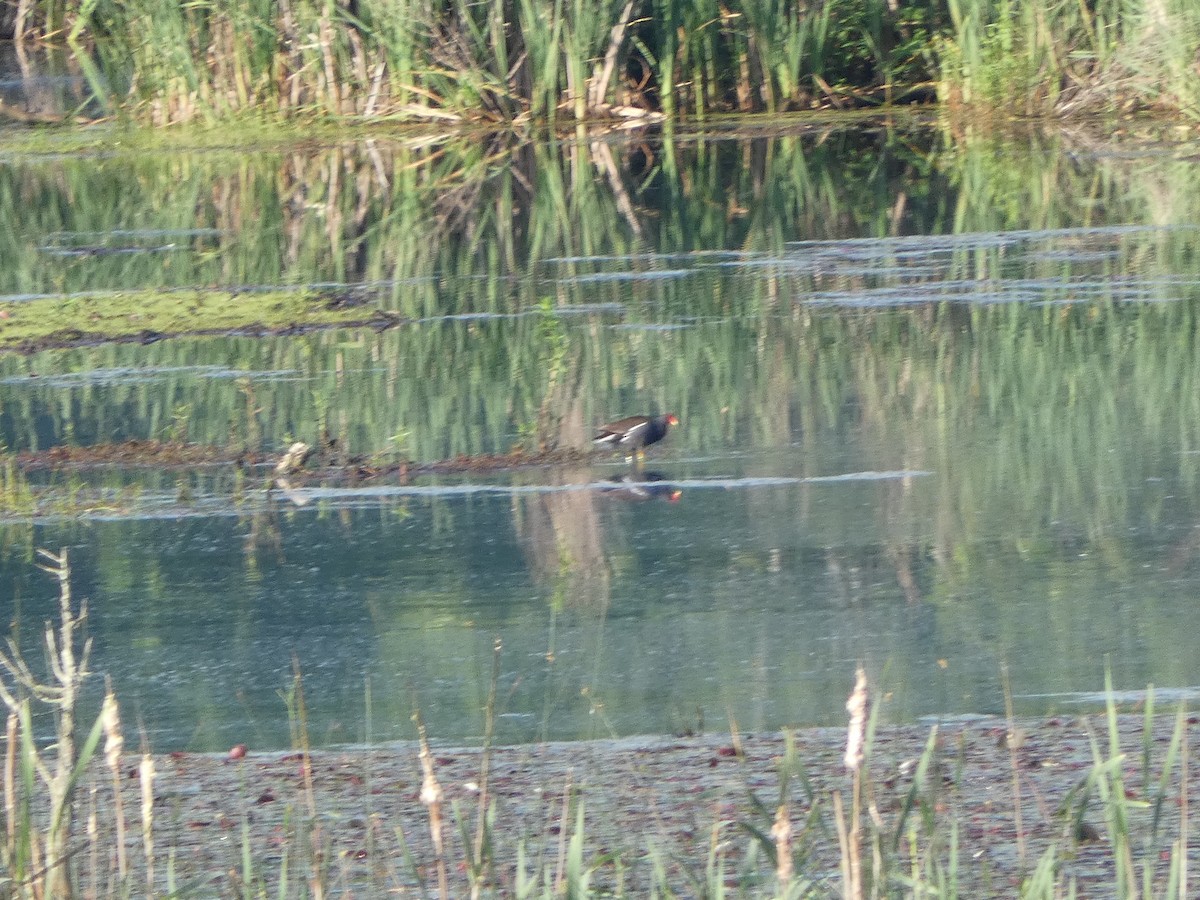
635 433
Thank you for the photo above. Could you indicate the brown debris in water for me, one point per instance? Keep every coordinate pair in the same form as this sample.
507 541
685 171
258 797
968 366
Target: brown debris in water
167 454
176 454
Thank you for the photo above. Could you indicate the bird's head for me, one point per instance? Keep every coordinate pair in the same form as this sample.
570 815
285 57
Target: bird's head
672 419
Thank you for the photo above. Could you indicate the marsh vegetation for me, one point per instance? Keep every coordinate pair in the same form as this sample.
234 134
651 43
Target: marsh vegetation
513 63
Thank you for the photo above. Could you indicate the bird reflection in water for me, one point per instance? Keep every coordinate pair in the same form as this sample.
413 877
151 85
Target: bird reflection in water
638 486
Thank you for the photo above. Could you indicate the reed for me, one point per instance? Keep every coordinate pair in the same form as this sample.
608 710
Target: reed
503 61
512 62
1034 58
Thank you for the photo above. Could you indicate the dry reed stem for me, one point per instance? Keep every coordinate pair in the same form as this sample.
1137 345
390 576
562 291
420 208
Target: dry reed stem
839 819
146 780
1183 814
876 845
1012 741
781 831
603 72
37 874
10 785
564 822
431 796
855 747
489 730
325 38
114 743
315 879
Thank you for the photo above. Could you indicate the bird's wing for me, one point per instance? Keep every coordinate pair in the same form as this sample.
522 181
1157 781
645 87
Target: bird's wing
606 436
635 433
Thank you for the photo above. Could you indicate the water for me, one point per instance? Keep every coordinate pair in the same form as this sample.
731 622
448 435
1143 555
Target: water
940 415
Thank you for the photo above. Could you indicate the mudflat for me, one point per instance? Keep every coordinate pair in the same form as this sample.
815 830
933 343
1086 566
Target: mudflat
659 810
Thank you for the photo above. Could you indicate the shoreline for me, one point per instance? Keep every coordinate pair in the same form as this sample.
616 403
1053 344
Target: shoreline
658 807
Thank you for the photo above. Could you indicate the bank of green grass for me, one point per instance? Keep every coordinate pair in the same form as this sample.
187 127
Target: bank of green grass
513 62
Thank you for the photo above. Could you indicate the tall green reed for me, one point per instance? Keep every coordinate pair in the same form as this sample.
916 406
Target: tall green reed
506 61
1032 58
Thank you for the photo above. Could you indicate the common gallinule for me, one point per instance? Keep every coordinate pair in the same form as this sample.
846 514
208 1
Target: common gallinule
635 433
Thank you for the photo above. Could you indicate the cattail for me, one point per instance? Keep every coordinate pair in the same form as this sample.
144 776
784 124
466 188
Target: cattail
431 796
857 707
114 744
855 750
110 721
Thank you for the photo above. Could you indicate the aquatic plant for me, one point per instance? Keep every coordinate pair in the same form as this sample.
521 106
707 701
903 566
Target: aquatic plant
505 61
1028 57
513 62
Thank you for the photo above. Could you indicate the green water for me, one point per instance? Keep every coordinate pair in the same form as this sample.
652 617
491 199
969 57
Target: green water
939 401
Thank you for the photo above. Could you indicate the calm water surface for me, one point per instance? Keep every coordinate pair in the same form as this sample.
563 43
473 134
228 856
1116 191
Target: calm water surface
940 414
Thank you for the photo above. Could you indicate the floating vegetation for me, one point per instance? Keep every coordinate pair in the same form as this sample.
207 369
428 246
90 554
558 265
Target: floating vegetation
146 316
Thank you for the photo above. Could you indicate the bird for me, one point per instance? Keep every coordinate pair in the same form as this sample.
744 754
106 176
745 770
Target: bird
635 433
